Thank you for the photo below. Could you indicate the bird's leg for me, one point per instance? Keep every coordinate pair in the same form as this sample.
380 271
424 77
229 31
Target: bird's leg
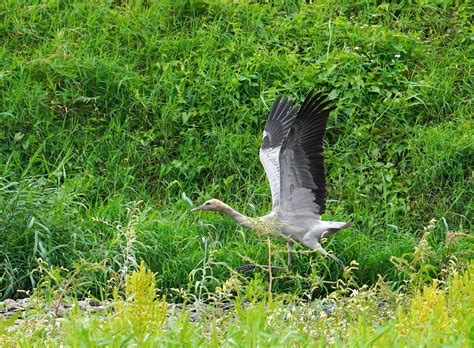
251 266
290 250
320 249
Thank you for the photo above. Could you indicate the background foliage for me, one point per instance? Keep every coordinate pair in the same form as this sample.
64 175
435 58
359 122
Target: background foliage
115 115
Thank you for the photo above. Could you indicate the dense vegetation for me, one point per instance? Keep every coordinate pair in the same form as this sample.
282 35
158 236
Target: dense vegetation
116 117
439 314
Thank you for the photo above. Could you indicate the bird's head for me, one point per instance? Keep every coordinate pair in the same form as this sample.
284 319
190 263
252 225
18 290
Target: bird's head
210 205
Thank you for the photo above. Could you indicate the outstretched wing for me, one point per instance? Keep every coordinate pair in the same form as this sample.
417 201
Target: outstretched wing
302 178
279 121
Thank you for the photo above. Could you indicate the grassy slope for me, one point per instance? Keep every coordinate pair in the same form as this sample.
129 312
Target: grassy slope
106 105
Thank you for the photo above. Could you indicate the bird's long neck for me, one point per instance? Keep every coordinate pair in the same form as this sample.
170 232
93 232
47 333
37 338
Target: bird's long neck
240 218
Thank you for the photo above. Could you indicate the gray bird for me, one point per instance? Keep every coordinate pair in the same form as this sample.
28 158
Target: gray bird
292 155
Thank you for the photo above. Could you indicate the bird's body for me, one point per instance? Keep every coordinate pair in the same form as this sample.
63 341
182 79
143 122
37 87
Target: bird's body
292 156
303 232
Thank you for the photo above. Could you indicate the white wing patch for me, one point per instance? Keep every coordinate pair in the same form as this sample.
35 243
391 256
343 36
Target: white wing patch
270 161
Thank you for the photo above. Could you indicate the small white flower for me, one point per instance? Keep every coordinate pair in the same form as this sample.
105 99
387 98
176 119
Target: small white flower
397 56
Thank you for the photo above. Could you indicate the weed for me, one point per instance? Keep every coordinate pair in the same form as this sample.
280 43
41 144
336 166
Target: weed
439 313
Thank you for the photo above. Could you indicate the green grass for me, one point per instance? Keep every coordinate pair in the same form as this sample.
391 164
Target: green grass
114 114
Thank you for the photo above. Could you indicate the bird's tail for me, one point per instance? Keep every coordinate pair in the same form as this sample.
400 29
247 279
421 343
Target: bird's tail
334 227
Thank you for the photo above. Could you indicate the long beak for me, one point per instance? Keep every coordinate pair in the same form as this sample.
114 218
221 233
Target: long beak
195 209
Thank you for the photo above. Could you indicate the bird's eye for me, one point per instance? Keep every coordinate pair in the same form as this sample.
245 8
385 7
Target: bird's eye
207 203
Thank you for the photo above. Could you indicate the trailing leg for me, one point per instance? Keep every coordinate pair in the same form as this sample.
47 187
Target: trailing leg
312 242
320 249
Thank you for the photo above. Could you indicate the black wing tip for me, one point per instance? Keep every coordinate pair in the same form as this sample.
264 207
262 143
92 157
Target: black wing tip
316 102
280 108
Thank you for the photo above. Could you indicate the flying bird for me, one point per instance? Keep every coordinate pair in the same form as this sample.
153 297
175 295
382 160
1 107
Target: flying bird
292 155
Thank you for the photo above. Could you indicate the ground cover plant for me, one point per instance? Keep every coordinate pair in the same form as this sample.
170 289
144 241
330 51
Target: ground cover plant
437 313
116 117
